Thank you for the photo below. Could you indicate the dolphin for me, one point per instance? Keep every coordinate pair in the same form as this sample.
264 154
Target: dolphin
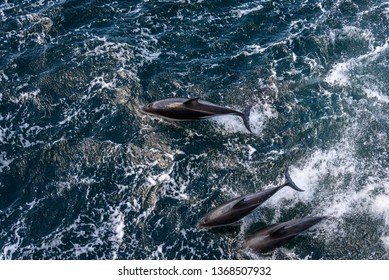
184 109
274 236
232 211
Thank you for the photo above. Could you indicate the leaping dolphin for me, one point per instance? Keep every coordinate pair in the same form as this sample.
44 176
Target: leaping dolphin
237 208
183 109
274 236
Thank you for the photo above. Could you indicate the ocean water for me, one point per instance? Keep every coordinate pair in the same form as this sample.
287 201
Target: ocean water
85 175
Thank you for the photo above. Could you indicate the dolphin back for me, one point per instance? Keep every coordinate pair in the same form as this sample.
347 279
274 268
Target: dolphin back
274 236
180 109
214 110
237 208
294 227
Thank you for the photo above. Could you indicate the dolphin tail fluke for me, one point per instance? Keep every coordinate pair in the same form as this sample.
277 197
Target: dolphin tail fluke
289 182
246 118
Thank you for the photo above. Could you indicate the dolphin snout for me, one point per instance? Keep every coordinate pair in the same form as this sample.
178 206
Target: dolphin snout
199 225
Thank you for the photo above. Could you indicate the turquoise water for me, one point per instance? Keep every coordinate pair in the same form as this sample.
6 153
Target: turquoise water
85 175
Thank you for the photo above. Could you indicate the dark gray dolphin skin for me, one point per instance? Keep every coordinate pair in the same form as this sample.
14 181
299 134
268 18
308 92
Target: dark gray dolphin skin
184 109
237 208
274 236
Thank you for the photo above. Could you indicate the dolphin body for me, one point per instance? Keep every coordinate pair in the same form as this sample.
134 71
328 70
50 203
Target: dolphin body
232 211
274 236
183 109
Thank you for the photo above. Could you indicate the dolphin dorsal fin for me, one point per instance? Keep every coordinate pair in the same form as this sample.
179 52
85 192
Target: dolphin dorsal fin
192 101
278 231
240 202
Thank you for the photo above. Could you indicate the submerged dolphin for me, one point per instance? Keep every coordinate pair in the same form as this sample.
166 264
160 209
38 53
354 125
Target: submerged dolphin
237 208
274 236
183 109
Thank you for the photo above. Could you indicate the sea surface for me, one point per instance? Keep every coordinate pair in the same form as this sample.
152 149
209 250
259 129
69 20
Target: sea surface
84 174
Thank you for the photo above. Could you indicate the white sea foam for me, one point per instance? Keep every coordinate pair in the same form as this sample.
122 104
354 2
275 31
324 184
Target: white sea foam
385 241
380 203
9 250
247 8
250 50
332 179
259 115
13 245
118 222
304 181
230 124
158 254
341 72
119 52
32 28
29 95
101 83
376 94
117 219
251 151
146 49
175 188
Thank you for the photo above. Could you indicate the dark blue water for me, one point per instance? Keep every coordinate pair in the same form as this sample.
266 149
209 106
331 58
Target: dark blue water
85 175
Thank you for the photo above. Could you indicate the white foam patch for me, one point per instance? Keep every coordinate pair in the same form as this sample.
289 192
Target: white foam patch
277 201
247 8
322 177
119 52
4 161
9 250
309 176
11 247
4 77
146 47
230 123
380 205
332 180
347 202
175 188
340 74
166 181
32 28
259 115
153 180
250 50
117 219
251 151
101 82
158 253
385 241
376 94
